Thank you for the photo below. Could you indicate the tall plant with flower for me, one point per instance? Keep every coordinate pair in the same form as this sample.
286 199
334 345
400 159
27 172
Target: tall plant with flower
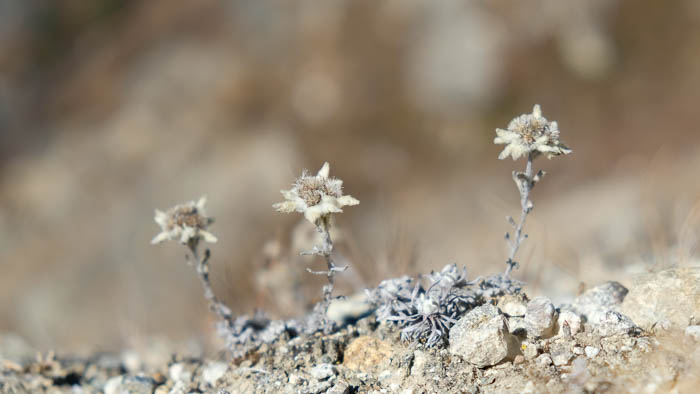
530 136
318 197
188 225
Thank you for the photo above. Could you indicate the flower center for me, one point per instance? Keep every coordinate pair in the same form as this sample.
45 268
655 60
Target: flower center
187 217
312 189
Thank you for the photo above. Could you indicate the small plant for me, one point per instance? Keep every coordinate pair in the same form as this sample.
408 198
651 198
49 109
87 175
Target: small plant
187 223
528 135
318 197
426 313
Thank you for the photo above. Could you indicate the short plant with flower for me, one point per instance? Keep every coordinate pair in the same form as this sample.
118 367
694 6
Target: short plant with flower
318 197
529 136
188 225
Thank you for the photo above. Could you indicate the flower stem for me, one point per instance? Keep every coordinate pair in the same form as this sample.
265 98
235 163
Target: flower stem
202 268
526 183
323 227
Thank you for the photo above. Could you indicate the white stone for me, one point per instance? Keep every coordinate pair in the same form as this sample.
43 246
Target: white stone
112 385
572 319
672 295
540 317
295 379
591 351
342 309
561 357
516 325
128 384
514 308
693 332
419 361
481 337
613 323
178 373
544 359
529 350
322 371
213 372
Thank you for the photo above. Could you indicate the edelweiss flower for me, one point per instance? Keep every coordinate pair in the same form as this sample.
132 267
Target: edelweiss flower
531 133
315 196
184 222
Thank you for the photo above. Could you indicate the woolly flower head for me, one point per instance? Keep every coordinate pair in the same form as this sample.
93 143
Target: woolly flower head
315 196
531 133
185 223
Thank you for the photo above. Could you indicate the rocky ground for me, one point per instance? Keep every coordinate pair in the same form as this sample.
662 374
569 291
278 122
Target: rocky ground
609 339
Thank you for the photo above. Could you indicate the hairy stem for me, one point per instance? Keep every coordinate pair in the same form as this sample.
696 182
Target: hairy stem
326 250
526 206
202 268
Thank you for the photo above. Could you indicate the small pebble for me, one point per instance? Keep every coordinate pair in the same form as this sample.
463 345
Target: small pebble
573 321
540 317
213 372
529 350
591 351
561 357
295 380
322 371
693 332
544 360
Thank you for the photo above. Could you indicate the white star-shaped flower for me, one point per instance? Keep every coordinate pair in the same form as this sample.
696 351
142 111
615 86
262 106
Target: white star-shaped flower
530 133
315 196
184 223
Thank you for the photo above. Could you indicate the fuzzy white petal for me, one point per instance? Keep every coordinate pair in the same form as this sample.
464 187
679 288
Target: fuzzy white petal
160 237
285 206
347 201
207 236
324 171
537 111
161 218
202 201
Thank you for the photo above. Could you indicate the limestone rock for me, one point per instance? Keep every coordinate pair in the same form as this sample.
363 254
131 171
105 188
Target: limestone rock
600 306
594 303
481 337
671 296
561 355
529 350
322 371
212 372
342 310
365 353
513 305
339 388
693 332
609 294
540 318
571 320
544 360
591 351
517 326
614 323
128 384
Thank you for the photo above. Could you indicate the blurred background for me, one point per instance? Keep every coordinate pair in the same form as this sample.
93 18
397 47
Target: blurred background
109 109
